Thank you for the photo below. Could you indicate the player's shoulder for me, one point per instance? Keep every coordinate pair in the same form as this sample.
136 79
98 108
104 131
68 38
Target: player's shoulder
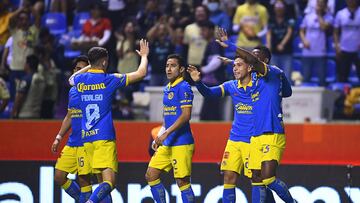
274 69
184 85
230 83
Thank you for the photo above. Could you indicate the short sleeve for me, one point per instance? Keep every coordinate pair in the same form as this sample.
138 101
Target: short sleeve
118 80
186 96
291 23
225 88
329 19
337 21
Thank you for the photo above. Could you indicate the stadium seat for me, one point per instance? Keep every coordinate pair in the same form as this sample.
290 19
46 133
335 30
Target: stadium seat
353 76
331 71
79 21
339 86
297 65
330 46
309 84
297 51
56 22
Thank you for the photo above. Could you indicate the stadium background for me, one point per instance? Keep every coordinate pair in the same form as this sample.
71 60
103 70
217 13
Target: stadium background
320 164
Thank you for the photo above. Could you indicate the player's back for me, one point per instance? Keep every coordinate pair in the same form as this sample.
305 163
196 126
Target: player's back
96 90
267 98
242 126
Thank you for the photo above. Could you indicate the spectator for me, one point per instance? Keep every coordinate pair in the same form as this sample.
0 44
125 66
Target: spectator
116 11
347 44
147 17
4 95
250 20
5 16
30 91
96 30
312 4
127 40
160 36
179 42
212 72
351 100
313 36
217 16
181 15
192 37
51 74
24 38
6 56
279 38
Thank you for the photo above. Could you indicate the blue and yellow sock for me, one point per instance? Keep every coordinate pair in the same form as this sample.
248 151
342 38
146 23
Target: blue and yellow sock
85 193
258 194
229 194
72 188
101 192
107 199
187 194
269 196
157 191
280 188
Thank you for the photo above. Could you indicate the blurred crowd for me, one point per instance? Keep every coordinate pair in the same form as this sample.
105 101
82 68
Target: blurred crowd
315 42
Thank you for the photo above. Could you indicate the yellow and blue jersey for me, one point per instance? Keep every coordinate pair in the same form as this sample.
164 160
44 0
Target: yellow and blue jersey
96 91
176 96
267 97
242 127
76 117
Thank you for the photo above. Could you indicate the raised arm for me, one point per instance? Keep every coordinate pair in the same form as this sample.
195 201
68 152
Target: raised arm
212 92
141 72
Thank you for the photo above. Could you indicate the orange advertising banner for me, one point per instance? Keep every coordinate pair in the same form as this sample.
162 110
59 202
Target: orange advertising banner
314 144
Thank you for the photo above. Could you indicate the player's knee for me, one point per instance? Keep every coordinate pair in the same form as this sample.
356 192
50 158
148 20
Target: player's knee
256 177
60 177
182 181
230 177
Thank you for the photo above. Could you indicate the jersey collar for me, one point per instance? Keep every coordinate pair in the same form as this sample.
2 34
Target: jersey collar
95 71
250 84
177 81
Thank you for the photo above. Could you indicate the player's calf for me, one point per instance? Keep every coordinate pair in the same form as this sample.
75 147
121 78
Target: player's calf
152 177
187 194
229 195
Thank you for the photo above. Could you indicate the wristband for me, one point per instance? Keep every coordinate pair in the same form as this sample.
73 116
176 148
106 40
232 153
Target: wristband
58 137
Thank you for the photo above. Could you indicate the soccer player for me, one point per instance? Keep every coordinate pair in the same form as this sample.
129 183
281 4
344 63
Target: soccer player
96 90
176 143
73 157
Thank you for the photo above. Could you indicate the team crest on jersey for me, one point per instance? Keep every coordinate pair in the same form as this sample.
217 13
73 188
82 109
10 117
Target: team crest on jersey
171 95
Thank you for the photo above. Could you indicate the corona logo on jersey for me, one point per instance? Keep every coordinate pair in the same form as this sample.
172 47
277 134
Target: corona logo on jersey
255 96
243 108
81 87
171 95
75 113
169 110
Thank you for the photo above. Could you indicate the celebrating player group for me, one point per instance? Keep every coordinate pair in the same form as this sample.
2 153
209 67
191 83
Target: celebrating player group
256 140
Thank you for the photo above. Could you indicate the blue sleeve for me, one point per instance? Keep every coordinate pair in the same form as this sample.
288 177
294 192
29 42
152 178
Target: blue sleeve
231 46
119 80
286 86
186 96
211 92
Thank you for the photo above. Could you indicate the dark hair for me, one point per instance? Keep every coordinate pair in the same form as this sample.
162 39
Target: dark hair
206 10
179 58
207 24
81 58
33 62
264 51
95 54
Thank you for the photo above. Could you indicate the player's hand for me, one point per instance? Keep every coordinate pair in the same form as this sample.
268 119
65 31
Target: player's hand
55 145
154 146
144 48
225 60
221 37
160 139
194 73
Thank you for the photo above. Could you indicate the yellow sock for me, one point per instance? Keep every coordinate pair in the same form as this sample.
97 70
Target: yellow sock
229 186
155 182
86 189
67 184
185 187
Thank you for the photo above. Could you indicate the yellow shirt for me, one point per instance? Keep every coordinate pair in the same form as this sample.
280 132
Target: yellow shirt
4 28
253 17
196 42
